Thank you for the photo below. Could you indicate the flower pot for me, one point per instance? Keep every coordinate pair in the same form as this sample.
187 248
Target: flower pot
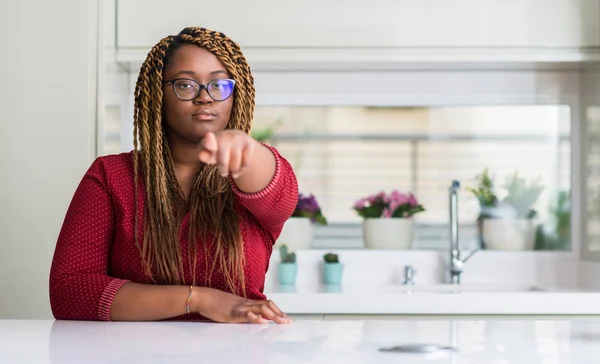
297 234
391 233
508 234
286 273
333 273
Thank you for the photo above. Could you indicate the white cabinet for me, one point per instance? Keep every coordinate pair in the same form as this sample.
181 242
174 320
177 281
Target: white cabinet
377 23
376 31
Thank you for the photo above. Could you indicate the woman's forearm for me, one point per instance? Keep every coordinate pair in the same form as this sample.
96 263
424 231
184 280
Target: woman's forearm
144 302
141 302
259 173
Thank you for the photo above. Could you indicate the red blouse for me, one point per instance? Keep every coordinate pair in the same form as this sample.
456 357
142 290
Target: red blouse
96 254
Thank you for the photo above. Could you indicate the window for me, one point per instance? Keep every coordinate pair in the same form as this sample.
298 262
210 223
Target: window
343 153
593 189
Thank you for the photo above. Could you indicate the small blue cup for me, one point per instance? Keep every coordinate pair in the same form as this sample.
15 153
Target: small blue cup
333 273
286 272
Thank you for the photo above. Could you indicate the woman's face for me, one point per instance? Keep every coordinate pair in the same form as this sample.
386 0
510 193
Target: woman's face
191 120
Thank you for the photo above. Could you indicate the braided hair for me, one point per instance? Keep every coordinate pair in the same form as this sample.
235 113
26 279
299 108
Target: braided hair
211 202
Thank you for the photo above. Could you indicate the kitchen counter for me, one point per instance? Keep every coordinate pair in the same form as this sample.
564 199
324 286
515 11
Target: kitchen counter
443 299
348 342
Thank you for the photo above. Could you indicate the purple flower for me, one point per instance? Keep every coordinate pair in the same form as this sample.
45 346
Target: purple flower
398 198
393 205
412 200
381 196
307 204
387 213
372 199
360 204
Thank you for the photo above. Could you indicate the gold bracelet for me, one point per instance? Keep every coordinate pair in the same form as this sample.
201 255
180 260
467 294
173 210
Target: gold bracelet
189 298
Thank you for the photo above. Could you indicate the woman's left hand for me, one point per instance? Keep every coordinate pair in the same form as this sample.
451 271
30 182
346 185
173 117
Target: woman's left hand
231 150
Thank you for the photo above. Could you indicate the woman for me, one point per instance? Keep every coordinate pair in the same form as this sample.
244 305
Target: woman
192 240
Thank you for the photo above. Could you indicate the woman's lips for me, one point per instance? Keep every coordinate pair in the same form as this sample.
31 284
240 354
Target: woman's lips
204 117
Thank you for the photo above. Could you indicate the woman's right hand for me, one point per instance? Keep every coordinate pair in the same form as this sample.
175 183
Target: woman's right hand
226 307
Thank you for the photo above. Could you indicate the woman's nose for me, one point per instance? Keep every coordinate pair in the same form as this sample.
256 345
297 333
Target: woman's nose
203 97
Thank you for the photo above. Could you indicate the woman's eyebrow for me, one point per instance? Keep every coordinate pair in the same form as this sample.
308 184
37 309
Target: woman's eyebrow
185 72
218 71
192 73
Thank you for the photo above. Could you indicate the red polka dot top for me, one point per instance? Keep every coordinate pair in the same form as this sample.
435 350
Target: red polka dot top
96 254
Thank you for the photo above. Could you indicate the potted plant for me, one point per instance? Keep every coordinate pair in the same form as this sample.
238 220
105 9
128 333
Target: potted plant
485 193
297 231
388 219
266 133
507 224
555 234
287 268
333 269
263 134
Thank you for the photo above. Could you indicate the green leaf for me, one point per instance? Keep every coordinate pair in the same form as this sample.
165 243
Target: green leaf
320 220
522 196
370 211
263 134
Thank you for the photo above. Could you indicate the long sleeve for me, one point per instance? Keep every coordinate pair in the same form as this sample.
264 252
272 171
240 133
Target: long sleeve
80 288
275 203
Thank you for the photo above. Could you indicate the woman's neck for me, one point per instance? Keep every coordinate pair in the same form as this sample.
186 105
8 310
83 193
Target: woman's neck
186 163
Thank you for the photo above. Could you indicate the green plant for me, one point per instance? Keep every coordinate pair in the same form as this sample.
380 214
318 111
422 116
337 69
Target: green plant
285 256
555 234
266 133
331 258
263 134
519 200
522 196
484 192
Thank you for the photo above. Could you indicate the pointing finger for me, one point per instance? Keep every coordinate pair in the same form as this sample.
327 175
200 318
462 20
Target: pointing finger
209 142
223 156
208 149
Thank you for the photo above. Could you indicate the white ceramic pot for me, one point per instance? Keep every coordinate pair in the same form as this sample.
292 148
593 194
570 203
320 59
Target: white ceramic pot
390 233
508 234
297 234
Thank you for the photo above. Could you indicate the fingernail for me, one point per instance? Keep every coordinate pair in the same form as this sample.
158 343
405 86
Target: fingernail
235 176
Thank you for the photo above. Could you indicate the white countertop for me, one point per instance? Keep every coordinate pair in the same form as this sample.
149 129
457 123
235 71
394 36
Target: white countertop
443 299
348 342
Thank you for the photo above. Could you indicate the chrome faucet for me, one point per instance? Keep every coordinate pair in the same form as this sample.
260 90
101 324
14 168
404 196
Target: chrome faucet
456 263
409 275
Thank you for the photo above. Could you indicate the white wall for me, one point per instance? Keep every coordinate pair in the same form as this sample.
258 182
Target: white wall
47 133
542 269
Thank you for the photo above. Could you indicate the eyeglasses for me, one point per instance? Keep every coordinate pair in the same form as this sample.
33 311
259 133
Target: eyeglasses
187 89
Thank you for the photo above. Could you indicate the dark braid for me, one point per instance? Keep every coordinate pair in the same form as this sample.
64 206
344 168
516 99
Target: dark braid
213 217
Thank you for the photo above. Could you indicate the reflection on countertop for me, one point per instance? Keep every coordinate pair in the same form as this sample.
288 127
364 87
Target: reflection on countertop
516 342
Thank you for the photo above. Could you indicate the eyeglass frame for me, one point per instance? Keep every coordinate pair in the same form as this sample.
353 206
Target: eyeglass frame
202 87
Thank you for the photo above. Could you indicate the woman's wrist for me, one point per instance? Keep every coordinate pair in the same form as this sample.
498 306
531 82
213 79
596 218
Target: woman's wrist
198 299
